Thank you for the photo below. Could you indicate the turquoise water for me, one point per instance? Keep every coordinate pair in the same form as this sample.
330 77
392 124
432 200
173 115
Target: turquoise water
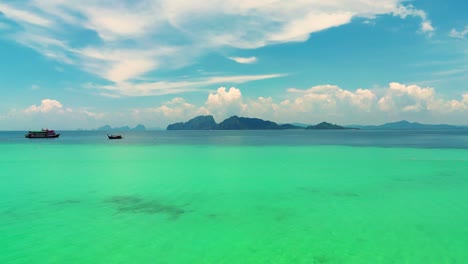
250 200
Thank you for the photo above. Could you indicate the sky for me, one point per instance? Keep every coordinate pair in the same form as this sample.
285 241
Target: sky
70 64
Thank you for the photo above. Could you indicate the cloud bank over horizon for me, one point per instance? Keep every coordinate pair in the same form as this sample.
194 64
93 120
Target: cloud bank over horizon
318 103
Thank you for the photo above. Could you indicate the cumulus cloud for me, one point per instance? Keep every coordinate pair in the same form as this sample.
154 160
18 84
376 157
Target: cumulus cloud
459 34
172 111
407 98
54 108
324 96
319 103
327 102
47 105
244 60
461 105
176 108
53 114
225 102
130 40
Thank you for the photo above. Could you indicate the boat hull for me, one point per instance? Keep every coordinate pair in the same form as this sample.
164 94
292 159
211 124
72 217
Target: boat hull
41 136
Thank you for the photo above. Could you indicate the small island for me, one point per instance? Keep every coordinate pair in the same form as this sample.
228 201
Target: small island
328 126
244 123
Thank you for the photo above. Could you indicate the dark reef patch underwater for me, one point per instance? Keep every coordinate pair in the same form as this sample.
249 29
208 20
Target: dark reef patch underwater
138 205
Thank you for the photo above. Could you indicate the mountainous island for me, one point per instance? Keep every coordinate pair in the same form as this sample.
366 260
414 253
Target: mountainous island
197 123
242 123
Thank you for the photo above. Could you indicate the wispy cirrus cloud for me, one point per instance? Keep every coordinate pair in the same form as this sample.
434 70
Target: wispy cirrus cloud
173 87
24 16
244 60
128 41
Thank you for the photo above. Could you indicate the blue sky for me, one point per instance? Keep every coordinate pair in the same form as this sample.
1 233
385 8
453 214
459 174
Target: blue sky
83 64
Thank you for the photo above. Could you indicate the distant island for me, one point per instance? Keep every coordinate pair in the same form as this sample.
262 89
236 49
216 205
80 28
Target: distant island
207 122
328 126
139 127
244 123
406 125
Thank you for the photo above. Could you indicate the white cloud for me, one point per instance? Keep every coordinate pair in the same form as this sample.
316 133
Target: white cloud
407 98
326 102
23 16
165 87
222 103
47 105
225 103
427 27
369 22
460 106
409 10
35 87
53 114
451 72
328 95
50 106
244 60
459 34
223 97
176 108
135 38
89 113
319 103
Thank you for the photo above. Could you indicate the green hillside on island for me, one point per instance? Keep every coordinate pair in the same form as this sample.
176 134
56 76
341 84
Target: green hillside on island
242 123
197 123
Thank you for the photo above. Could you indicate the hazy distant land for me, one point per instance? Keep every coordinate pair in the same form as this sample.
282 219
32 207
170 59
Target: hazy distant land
139 127
244 123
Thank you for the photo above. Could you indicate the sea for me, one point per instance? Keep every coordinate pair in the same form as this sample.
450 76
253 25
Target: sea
294 196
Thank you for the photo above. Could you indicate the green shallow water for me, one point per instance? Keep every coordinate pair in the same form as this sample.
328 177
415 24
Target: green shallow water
232 204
